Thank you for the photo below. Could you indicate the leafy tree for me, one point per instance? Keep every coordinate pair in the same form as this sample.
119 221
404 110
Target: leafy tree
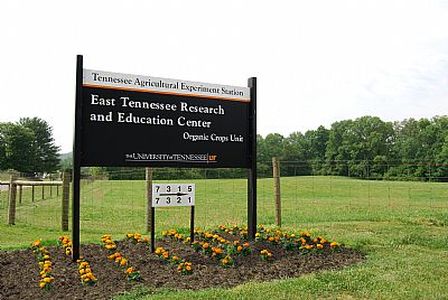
420 144
296 155
15 143
43 147
316 141
354 145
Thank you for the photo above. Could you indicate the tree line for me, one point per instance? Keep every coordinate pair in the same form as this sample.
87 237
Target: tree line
366 147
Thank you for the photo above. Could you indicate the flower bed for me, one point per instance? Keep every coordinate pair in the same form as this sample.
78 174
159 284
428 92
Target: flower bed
227 260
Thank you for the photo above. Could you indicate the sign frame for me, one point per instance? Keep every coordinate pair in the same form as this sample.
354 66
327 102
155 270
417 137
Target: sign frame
185 192
77 162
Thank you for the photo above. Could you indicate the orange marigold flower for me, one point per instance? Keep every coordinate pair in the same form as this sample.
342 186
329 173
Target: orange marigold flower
123 262
217 250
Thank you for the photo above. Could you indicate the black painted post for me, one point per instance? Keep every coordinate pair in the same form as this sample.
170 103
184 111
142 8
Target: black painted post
153 229
77 160
192 224
252 174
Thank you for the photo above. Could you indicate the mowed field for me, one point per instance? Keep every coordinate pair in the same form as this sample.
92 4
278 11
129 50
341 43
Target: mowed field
402 227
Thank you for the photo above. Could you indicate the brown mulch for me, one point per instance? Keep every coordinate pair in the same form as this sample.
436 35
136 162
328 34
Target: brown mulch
20 271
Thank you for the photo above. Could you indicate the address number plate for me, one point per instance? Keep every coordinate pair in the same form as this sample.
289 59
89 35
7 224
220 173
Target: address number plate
173 194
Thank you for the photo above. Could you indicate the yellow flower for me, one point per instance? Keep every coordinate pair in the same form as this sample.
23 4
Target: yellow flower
42 284
48 279
188 268
320 246
123 262
206 245
129 270
110 246
239 249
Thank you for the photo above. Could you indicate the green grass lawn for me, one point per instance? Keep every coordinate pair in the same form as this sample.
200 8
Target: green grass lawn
401 226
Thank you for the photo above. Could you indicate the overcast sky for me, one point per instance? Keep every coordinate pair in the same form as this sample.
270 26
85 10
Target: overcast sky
317 62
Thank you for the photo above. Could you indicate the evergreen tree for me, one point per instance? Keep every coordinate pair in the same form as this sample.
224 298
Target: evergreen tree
43 147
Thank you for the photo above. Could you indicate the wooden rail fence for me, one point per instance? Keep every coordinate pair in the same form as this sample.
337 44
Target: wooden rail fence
15 185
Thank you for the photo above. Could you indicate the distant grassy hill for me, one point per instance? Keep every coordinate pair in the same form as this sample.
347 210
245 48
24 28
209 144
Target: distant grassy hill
64 156
66 160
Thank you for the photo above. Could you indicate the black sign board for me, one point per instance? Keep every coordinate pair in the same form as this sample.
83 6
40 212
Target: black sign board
133 120
122 127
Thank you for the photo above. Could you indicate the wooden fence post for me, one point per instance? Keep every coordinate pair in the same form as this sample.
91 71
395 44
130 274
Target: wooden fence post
65 199
148 177
20 193
12 200
32 193
276 176
43 192
51 191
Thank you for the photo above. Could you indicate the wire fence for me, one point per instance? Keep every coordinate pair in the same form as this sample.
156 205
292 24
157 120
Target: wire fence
114 200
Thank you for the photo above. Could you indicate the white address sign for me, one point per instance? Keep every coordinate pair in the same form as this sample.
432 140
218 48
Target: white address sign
173 194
